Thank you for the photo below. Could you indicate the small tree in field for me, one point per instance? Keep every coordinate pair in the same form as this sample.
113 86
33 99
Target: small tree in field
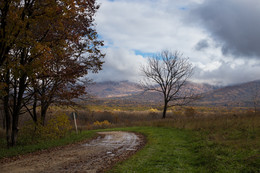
167 72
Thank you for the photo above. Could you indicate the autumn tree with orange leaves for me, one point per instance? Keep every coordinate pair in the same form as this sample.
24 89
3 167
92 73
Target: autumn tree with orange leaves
46 47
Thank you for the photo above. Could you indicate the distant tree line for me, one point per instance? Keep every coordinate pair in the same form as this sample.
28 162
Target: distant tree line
46 47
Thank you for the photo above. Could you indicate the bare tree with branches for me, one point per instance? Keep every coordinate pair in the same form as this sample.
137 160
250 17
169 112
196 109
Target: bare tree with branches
167 73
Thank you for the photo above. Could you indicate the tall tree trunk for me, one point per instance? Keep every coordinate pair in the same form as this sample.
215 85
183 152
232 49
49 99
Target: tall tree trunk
34 109
15 128
6 110
7 121
44 108
165 109
17 108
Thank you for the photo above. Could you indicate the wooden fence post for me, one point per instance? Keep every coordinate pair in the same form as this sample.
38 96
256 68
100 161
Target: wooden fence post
75 122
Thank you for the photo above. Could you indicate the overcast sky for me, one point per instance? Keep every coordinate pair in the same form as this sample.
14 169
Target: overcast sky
220 37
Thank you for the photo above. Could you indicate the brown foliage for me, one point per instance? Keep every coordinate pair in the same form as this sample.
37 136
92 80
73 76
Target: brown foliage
45 47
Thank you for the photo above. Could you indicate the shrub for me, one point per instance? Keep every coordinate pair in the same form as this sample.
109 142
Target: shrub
102 116
102 124
153 110
56 127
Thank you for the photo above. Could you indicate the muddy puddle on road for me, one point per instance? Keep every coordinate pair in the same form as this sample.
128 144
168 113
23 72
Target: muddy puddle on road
95 156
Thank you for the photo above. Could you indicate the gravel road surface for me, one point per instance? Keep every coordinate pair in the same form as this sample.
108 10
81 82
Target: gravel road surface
94 156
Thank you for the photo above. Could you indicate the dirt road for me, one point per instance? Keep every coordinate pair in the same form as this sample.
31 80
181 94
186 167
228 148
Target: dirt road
95 156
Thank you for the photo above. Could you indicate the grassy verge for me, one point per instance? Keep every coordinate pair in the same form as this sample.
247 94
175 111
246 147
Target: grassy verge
19 149
179 150
169 150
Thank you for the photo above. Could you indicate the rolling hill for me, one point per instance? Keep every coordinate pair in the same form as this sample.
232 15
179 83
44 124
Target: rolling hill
125 92
110 89
236 95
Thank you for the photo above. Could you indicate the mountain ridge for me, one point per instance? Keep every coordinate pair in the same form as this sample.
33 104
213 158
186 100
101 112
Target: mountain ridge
110 89
232 95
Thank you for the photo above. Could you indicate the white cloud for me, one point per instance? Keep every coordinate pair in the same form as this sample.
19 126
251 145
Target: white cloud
229 72
209 67
120 64
145 25
152 25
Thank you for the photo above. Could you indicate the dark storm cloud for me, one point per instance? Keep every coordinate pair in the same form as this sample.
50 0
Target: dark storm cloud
235 24
202 44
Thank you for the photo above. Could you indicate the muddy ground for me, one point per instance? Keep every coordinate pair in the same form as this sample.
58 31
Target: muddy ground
97 155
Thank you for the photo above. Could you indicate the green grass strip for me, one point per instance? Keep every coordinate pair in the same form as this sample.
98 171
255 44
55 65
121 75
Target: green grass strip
69 139
175 150
167 150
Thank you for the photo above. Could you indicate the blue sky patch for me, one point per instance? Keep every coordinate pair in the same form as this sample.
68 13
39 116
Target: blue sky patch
183 8
144 54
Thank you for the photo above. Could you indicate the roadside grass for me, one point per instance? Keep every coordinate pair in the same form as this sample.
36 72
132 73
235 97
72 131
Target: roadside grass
179 150
180 143
168 149
23 149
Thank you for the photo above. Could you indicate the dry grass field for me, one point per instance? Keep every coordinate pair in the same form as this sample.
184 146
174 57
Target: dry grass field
215 138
